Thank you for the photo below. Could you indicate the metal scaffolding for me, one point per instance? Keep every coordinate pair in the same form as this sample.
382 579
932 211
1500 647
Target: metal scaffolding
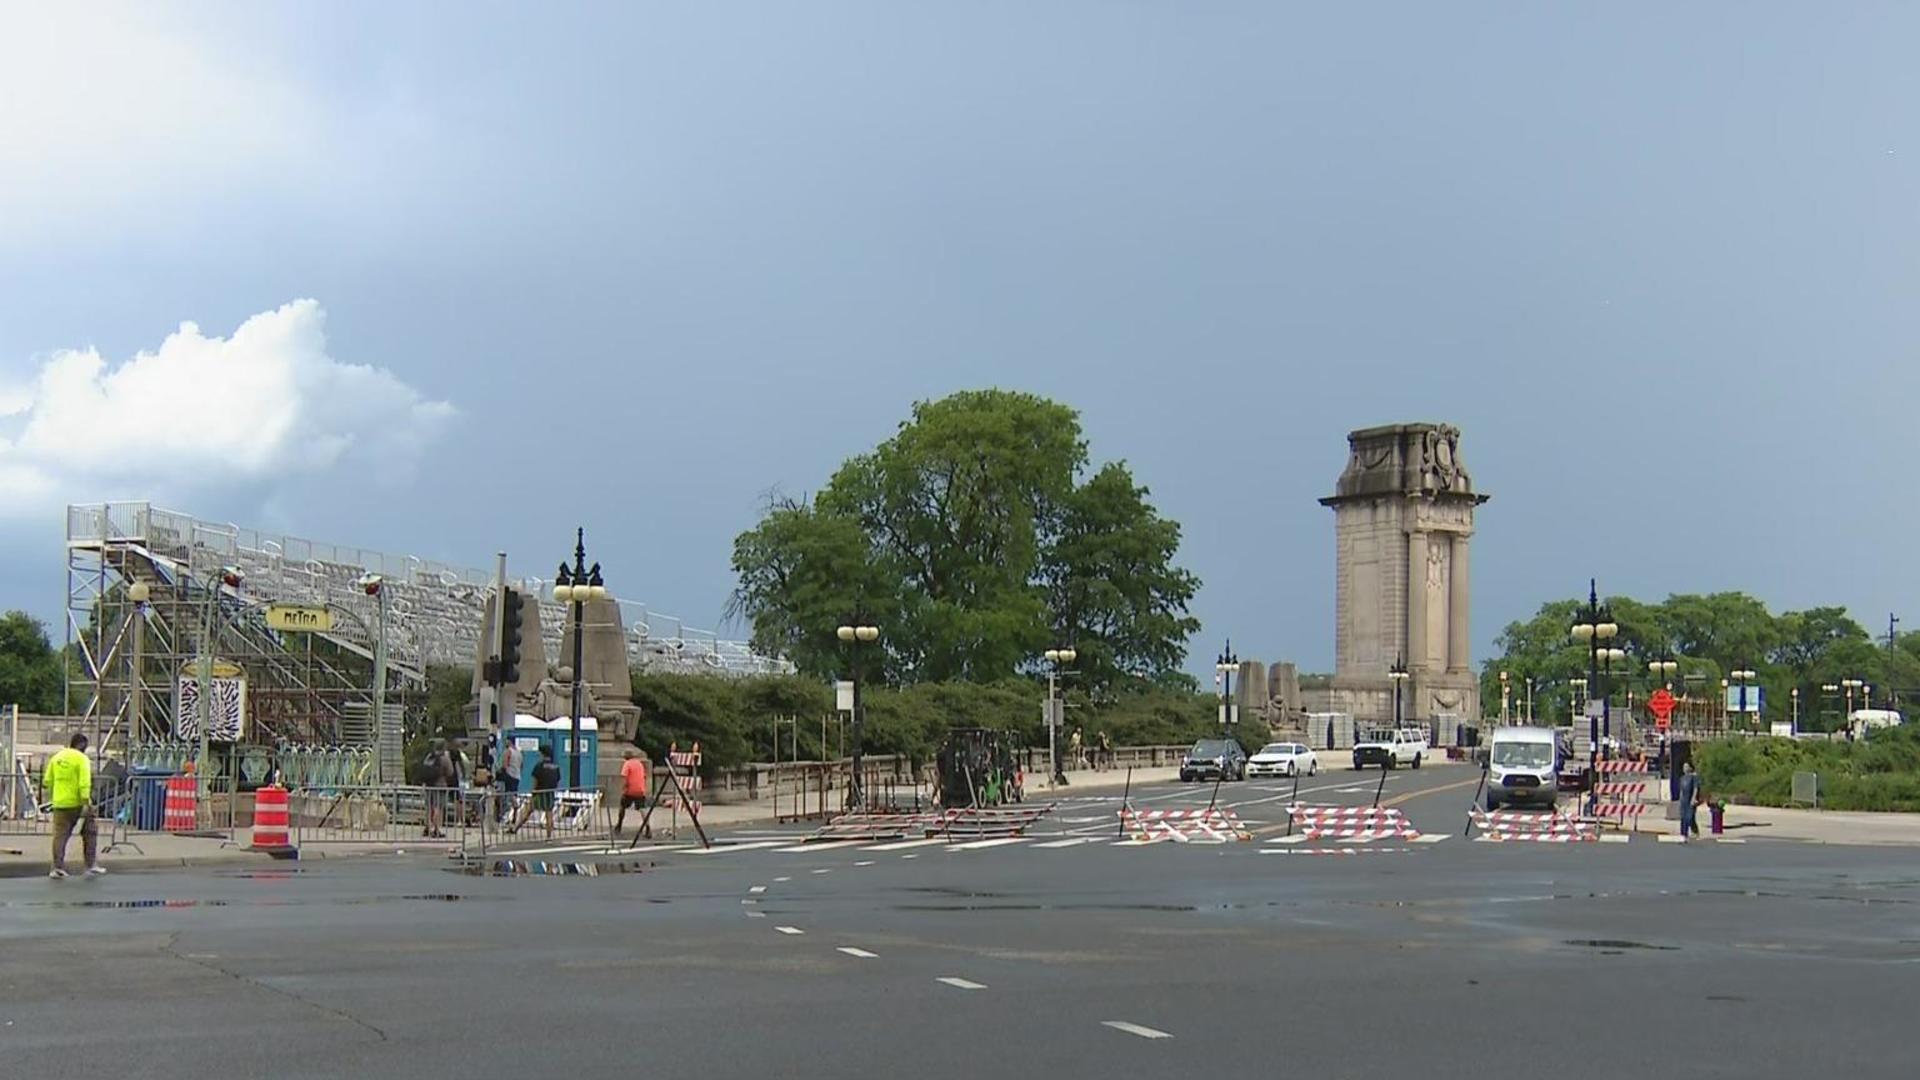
299 686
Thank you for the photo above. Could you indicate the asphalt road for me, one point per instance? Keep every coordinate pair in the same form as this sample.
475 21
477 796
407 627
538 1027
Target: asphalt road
1092 959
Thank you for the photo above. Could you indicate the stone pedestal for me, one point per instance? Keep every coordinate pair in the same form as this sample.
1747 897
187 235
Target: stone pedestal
1403 517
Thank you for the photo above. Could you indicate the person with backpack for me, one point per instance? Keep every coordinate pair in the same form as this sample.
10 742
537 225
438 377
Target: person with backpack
438 774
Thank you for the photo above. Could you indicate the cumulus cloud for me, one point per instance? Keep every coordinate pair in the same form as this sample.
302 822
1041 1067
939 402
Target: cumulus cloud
199 411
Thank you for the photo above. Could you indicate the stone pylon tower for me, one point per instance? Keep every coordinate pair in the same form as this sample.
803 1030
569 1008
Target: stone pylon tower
1403 516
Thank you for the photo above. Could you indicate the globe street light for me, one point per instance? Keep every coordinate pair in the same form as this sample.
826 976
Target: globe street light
1506 692
1595 630
1742 678
1058 658
1223 669
856 635
1399 674
576 586
139 594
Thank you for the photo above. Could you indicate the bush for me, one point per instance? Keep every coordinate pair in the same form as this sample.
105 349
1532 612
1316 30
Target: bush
1882 773
733 719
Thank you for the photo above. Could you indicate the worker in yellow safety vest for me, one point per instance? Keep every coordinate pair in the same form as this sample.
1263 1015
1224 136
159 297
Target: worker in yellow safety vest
69 787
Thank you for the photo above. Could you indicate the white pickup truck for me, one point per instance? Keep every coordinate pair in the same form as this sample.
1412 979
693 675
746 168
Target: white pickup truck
1391 748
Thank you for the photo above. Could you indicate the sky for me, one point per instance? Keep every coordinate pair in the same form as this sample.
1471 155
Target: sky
451 280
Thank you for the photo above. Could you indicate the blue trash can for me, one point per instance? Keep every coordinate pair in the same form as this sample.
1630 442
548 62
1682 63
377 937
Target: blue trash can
149 797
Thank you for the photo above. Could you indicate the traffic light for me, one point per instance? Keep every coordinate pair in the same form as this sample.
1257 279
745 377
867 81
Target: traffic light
510 620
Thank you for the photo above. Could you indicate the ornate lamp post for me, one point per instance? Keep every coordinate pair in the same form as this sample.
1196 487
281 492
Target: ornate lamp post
857 634
1399 674
1595 630
1057 658
1742 678
1223 669
1506 698
576 586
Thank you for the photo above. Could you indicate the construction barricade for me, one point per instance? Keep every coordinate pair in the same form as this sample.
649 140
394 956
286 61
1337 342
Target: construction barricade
1208 825
880 826
1620 791
183 805
984 822
271 829
1547 828
1360 823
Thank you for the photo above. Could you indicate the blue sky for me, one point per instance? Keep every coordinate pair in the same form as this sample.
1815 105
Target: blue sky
635 265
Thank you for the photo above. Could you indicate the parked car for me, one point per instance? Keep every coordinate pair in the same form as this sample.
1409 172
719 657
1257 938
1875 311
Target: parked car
1284 759
1211 758
1391 748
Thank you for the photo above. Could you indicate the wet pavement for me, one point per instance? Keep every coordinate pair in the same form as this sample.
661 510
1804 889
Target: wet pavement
1091 960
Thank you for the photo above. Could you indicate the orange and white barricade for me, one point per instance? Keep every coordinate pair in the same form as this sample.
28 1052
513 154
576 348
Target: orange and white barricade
182 806
270 826
1208 825
1548 828
1351 822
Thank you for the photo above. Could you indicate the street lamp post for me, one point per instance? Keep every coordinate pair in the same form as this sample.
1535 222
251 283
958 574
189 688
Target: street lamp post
1223 668
576 586
1743 678
855 635
1057 658
1595 632
139 593
1794 696
373 585
1399 674
1506 697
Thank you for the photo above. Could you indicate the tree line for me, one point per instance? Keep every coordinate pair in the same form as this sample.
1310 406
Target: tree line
1709 637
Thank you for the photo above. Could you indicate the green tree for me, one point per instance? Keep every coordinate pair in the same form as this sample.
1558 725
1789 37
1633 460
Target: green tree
1111 584
30 674
966 538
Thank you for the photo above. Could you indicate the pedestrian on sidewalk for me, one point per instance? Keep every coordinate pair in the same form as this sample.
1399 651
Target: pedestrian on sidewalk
546 780
1075 750
633 787
1689 802
438 776
69 785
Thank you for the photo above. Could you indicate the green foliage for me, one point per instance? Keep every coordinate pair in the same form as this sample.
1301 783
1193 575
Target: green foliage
733 719
449 692
30 673
1710 636
966 539
1880 773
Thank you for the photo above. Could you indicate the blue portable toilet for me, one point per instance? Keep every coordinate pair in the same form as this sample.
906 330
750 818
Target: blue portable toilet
531 735
560 734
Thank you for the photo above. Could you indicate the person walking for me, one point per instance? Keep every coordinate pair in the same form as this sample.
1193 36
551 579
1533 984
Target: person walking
633 787
1689 802
69 785
1075 745
546 780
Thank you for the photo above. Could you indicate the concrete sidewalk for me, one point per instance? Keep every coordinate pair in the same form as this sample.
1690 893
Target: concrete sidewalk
30 854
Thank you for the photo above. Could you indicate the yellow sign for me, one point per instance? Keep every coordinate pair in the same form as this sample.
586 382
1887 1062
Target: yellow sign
222 669
296 617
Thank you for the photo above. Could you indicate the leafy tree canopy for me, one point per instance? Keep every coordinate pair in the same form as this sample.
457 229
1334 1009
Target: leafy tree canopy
971 540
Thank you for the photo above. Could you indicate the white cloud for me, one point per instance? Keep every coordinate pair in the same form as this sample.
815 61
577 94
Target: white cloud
202 412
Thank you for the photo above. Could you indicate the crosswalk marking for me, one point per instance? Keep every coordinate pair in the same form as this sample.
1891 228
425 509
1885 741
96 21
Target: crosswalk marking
822 847
1296 838
902 845
1430 838
1074 841
723 849
1614 838
998 841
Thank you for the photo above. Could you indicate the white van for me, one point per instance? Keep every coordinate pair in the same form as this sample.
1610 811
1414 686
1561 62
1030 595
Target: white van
1522 767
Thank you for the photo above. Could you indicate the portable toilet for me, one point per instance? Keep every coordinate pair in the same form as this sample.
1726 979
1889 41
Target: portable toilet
531 734
560 733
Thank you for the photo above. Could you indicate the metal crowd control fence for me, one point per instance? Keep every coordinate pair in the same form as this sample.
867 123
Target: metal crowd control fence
385 814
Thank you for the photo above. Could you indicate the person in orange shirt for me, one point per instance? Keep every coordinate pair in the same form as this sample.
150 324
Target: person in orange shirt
633 787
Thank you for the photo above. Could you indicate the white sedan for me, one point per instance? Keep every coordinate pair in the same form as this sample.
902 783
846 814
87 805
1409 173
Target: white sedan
1283 759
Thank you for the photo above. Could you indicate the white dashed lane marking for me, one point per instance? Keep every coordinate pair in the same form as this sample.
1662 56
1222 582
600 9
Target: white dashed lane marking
861 953
758 889
789 929
1136 1029
961 984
